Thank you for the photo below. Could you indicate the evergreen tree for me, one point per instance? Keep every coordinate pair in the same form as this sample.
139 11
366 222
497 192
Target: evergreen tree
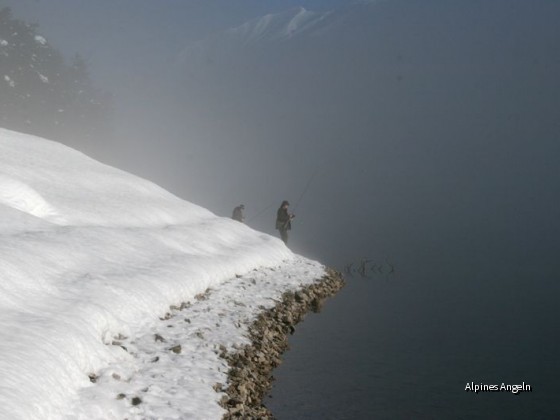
40 94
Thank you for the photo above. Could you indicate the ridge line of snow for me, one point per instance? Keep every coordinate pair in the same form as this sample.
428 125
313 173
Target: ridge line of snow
127 251
274 26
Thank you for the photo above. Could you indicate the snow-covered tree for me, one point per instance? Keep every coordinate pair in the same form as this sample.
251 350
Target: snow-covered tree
41 94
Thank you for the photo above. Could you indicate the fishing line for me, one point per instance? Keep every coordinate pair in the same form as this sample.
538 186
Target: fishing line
309 181
259 213
305 189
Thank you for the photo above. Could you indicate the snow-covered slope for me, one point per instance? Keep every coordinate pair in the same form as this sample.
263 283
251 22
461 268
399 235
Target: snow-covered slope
278 26
62 186
89 253
264 31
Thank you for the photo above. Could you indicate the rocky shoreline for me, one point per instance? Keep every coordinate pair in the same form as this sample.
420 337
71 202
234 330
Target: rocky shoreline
250 375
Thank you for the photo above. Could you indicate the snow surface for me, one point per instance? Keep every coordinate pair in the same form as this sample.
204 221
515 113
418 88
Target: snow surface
278 26
281 26
104 273
9 80
40 40
43 78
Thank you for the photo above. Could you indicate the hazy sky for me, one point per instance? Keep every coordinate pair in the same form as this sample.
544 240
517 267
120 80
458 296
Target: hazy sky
117 37
88 27
421 132
413 122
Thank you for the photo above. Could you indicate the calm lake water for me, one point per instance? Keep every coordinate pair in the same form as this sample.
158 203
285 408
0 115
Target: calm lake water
404 345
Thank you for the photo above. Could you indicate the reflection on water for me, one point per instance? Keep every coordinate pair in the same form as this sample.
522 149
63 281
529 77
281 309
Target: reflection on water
406 345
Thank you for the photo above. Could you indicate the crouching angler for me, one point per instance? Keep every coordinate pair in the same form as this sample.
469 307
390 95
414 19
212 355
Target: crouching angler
238 213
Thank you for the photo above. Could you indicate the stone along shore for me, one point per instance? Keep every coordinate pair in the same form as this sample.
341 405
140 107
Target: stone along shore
250 376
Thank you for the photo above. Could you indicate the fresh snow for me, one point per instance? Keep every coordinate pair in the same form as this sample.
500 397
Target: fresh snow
9 80
43 78
104 274
40 40
286 26
282 25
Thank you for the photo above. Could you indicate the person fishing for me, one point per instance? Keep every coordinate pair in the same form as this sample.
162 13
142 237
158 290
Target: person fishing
238 213
284 220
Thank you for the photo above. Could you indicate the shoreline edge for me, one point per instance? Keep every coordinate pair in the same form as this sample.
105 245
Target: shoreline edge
250 375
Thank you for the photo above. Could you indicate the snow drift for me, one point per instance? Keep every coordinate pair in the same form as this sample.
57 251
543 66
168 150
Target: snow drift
89 252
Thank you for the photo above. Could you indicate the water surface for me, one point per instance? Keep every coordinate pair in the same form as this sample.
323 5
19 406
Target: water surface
404 345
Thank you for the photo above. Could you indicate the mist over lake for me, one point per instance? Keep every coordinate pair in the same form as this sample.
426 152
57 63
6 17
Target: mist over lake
417 135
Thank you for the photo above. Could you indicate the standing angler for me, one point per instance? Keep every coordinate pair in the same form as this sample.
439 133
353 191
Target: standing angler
284 221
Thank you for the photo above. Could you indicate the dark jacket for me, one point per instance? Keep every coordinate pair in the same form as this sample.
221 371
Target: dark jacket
238 214
283 219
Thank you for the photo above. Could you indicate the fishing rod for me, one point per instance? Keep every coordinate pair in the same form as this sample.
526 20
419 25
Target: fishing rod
259 213
309 181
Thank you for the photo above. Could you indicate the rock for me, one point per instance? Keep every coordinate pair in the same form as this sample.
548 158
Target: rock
176 349
250 376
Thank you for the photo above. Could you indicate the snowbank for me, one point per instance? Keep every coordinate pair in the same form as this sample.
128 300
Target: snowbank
91 259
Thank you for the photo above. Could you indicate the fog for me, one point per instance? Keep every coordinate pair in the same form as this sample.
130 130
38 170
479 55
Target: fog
397 129
420 134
